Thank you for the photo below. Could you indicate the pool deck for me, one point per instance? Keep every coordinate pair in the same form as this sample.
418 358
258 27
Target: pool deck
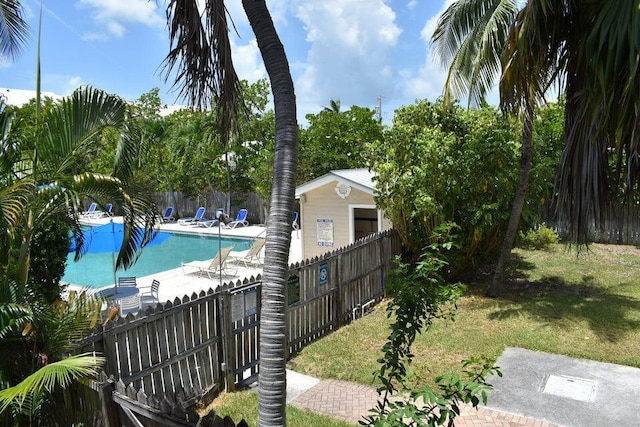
175 283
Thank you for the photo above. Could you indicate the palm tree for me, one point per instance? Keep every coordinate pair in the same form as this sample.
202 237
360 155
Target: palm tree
334 106
44 178
36 338
203 52
589 49
40 180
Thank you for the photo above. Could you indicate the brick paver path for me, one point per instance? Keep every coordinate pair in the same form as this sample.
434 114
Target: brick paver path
351 401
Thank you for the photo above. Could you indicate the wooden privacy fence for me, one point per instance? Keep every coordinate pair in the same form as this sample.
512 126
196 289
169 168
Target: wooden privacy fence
620 226
187 206
201 344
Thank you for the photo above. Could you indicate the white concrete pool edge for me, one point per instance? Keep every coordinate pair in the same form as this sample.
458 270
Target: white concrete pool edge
175 284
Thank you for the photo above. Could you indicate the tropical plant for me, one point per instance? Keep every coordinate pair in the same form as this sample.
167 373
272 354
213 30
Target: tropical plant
45 177
418 296
42 180
435 166
14 30
37 337
202 51
336 139
589 49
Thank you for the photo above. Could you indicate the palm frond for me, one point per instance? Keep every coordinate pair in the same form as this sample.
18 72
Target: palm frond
535 54
200 55
13 318
14 30
72 127
47 378
138 212
602 113
470 40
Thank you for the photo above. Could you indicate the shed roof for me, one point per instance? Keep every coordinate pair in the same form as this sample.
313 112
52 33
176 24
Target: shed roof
362 179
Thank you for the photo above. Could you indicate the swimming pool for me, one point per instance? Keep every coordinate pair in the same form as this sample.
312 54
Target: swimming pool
95 270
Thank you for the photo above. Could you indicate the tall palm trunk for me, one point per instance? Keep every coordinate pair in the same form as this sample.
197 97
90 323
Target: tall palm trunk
496 287
273 336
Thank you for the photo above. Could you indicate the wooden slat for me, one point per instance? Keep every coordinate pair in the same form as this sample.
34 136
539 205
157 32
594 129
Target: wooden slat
180 345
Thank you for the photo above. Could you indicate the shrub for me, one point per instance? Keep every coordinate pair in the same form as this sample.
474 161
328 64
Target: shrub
539 239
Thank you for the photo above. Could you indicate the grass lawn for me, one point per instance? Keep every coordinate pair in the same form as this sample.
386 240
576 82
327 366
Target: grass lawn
244 405
585 306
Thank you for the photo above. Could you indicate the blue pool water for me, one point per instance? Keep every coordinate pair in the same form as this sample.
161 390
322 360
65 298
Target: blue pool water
95 270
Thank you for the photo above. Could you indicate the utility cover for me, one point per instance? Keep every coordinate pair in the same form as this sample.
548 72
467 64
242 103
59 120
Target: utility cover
571 387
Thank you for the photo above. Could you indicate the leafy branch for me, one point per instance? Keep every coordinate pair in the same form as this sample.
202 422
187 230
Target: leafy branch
420 295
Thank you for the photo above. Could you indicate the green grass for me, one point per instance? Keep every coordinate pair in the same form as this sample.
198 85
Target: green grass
585 306
244 405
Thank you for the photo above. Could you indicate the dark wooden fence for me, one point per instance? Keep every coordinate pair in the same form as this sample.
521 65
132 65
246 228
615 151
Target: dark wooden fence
620 226
187 206
186 351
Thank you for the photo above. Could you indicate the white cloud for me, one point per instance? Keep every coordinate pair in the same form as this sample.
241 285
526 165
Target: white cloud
112 15
248 61
428 80
62 84
349 59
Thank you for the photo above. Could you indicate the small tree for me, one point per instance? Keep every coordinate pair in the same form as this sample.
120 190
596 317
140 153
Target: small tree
419 295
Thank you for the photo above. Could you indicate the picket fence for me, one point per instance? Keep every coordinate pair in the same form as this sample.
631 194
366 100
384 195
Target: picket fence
186 351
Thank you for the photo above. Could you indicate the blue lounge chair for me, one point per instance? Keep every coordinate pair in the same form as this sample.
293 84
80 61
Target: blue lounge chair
294 222
108 211
241 220
212 222
190 220
90 211
168 215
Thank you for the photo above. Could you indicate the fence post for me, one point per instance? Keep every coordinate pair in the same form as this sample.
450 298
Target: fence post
383 261
228 343
339 310
109 408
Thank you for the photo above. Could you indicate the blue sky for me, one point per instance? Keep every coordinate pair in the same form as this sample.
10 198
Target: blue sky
351 50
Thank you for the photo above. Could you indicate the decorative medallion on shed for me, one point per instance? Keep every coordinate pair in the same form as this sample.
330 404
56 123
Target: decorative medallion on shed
343 189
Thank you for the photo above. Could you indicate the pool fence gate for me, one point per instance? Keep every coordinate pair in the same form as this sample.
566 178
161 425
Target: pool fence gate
165 361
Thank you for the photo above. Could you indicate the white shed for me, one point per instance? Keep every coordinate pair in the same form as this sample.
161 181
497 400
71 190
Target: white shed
337 209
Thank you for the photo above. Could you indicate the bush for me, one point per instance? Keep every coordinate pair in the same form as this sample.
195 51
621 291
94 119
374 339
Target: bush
540 239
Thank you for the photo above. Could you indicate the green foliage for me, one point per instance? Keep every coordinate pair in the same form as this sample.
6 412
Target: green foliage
541 238
440 164
197 158
425 407
49 251
419 295
36 338
47 379
336 139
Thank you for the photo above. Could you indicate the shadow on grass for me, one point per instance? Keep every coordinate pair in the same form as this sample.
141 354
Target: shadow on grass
553 300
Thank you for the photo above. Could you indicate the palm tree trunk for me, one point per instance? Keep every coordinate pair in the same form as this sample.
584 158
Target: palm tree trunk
496 288
273 336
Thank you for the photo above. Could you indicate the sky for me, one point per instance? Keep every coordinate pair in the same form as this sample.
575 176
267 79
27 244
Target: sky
360 52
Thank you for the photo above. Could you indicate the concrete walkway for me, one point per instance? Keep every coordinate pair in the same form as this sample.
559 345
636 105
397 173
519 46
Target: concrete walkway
537 389
350 402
